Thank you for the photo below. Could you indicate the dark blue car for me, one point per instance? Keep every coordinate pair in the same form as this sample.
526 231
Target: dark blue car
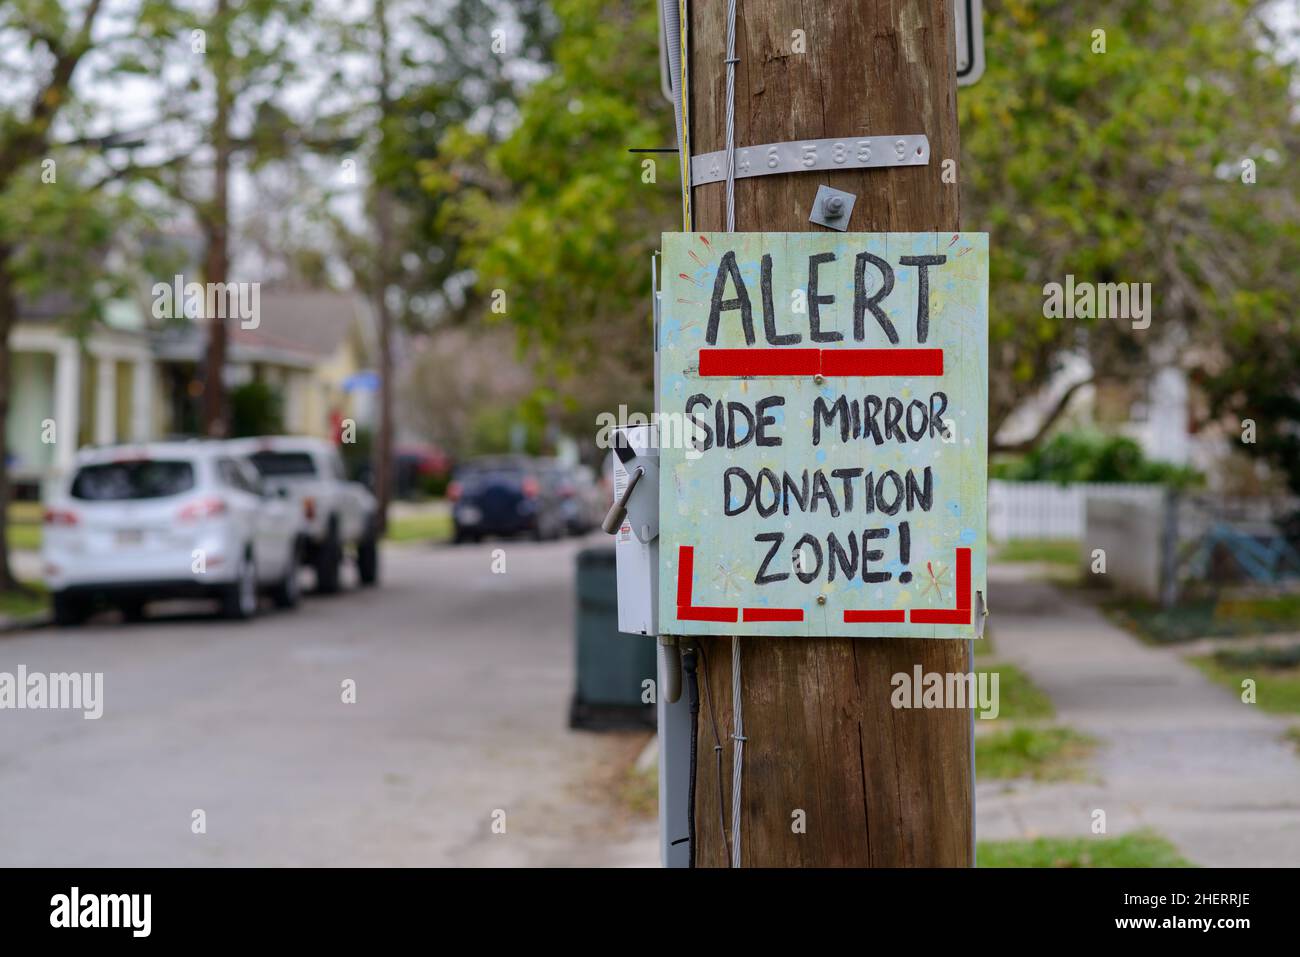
508 495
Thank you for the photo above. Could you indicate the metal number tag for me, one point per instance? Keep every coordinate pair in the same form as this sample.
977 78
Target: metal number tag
811 155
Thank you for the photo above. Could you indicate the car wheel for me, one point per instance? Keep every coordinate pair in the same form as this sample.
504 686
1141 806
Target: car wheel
368 558
288 591
132 611
69 610
329 557
239 598
465 536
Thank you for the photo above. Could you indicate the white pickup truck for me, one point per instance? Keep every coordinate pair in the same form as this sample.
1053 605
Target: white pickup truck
336 514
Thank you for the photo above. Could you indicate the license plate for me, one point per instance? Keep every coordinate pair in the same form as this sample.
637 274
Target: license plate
470 515
130 536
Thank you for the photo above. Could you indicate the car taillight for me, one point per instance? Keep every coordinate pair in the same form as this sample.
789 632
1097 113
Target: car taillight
309 508
531 488
204 508
453 491
59 516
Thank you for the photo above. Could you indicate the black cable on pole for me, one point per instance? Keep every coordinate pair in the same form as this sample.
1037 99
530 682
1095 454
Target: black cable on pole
693 698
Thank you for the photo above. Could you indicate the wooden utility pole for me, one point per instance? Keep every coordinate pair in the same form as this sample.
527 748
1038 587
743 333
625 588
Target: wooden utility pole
878 786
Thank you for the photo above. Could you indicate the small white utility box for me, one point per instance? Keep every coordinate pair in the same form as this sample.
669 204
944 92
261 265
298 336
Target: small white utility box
636 543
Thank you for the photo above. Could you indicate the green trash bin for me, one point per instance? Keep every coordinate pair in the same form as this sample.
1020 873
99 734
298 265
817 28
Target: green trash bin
612 667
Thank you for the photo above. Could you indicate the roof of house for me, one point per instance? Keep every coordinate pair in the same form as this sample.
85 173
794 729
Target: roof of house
295 326
298 327
312 322
57 304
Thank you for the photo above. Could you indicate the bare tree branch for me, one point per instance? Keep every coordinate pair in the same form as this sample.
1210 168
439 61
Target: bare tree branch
1057 411
32 139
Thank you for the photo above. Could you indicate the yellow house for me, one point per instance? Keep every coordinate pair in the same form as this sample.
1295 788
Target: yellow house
304 343
124 380
68 392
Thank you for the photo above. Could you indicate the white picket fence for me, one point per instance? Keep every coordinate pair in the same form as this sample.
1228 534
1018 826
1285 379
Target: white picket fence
1049 510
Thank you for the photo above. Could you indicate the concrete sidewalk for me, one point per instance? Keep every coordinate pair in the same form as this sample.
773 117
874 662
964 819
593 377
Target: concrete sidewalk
1179 754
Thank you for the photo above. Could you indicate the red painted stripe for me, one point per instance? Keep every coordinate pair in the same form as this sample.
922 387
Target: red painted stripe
963 579
961 615
763 361
759 362
939 616
874 362
852 616
685 572
773 614
685 613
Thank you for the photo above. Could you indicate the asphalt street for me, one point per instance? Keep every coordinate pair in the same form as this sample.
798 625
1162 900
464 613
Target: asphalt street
462 685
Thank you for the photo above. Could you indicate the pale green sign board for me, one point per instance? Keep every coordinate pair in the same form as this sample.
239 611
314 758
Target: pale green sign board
823 422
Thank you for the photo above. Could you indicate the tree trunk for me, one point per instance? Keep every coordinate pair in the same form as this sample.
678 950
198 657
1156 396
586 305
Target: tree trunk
382 451
217 229
877 786
8 317
383 447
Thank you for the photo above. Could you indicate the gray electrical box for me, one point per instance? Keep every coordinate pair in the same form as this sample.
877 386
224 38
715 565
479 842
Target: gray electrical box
636 542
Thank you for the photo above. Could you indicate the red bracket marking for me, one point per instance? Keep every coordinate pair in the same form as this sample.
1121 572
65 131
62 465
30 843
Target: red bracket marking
685 610
765 362
852 616
873 362
961 615
773 614
760 362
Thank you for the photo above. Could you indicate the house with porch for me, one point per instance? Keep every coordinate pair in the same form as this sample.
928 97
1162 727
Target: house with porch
131 378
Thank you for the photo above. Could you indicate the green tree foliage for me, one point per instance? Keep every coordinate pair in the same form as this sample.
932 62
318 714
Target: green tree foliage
256 408
56 236
561 220
1257 389
450 63
1127 166
1090 457
1115 158
60 220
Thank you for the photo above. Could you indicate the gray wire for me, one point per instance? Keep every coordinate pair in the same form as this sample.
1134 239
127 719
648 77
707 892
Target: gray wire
731 115
672 40
738 718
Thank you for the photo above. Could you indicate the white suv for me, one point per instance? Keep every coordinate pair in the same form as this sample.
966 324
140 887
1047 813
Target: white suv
135 523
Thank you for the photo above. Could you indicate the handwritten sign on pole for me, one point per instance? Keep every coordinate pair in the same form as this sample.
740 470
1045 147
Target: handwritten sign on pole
823 423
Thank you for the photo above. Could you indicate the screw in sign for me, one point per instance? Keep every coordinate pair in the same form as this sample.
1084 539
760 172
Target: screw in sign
827 474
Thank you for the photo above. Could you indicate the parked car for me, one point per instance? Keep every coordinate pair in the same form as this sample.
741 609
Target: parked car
505 495
419 470
581 499
336 514
132 524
